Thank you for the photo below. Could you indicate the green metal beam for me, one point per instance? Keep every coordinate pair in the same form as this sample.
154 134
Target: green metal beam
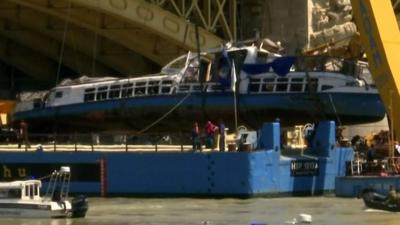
155 20
78 39
32 64
50 48
131 38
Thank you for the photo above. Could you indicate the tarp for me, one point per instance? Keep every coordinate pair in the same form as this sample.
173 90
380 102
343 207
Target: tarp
280 66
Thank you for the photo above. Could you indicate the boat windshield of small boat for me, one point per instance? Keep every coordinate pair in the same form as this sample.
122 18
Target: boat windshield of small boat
23 198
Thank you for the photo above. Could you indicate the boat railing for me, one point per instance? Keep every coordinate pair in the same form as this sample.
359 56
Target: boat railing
198 87
100 142
381 167
265 85
323 63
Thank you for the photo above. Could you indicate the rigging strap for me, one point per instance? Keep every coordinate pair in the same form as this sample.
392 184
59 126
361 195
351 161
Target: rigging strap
166 114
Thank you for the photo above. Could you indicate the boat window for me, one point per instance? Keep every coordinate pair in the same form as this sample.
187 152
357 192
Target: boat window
89 95
282 84
179 64
296 85
114 91
166 86
153 87
36 190
101 93
268 87
59 94
165 90
326 87
31 191
37 103
282 80
312 85
262 57
254 87
183 88
140 88
26 190
297 80
197 88
217 87
10 193
14 193
167 82
3 193
270 80
127 90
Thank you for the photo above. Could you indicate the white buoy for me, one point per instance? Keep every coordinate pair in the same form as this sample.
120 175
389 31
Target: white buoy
305 218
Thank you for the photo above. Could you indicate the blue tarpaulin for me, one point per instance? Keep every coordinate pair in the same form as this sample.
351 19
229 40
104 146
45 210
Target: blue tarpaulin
280 66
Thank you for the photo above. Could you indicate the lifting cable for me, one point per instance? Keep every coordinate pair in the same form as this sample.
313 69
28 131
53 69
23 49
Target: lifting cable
63 41
166 114
334 109
95 40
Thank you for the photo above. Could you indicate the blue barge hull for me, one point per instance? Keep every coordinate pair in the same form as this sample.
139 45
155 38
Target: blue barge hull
236 174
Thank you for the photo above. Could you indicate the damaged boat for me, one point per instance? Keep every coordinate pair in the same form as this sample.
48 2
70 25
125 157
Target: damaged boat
205 86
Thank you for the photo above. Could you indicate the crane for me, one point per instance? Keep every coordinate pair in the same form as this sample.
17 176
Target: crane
380 36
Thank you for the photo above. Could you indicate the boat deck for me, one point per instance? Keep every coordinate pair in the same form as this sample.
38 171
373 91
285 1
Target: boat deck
101 148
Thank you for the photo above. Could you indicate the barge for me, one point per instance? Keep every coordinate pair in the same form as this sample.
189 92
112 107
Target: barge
264 170
377 175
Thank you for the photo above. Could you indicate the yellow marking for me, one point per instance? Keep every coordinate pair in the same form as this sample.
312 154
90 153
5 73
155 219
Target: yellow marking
380 36
6 172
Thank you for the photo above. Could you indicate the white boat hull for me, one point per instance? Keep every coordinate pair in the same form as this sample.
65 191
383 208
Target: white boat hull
51 210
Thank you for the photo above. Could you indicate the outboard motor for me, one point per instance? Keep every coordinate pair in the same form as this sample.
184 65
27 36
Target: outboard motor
79 206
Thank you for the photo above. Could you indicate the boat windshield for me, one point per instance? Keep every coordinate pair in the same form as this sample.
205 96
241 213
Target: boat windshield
175 66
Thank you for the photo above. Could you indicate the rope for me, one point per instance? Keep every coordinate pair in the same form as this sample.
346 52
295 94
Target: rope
177 105
45 177
63 42
166 114
95 41
334 109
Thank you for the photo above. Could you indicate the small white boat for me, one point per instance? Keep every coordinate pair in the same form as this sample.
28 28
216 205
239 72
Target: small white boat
23 199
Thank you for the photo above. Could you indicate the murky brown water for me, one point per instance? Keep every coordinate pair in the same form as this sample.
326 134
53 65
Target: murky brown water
186 211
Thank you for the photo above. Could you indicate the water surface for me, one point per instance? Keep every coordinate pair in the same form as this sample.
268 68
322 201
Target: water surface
187 211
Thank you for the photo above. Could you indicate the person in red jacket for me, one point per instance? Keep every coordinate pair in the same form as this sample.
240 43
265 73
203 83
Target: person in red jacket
23 134
210 130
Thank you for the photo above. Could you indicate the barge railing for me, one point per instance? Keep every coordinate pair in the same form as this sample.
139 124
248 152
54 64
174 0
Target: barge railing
91 142
381 167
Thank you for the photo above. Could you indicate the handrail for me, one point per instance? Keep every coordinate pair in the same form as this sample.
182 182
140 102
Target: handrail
384 167
83 142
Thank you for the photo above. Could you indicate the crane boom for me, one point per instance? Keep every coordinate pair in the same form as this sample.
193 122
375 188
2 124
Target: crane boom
380 36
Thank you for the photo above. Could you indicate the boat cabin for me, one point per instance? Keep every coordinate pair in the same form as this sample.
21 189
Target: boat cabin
210 72
20 190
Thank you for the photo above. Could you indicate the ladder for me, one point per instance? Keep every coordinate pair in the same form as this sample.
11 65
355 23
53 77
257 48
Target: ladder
55 191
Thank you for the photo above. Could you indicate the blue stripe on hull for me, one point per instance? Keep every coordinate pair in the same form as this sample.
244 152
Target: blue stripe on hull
252 109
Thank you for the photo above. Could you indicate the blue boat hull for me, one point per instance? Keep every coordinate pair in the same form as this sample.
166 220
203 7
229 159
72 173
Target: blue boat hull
137 113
